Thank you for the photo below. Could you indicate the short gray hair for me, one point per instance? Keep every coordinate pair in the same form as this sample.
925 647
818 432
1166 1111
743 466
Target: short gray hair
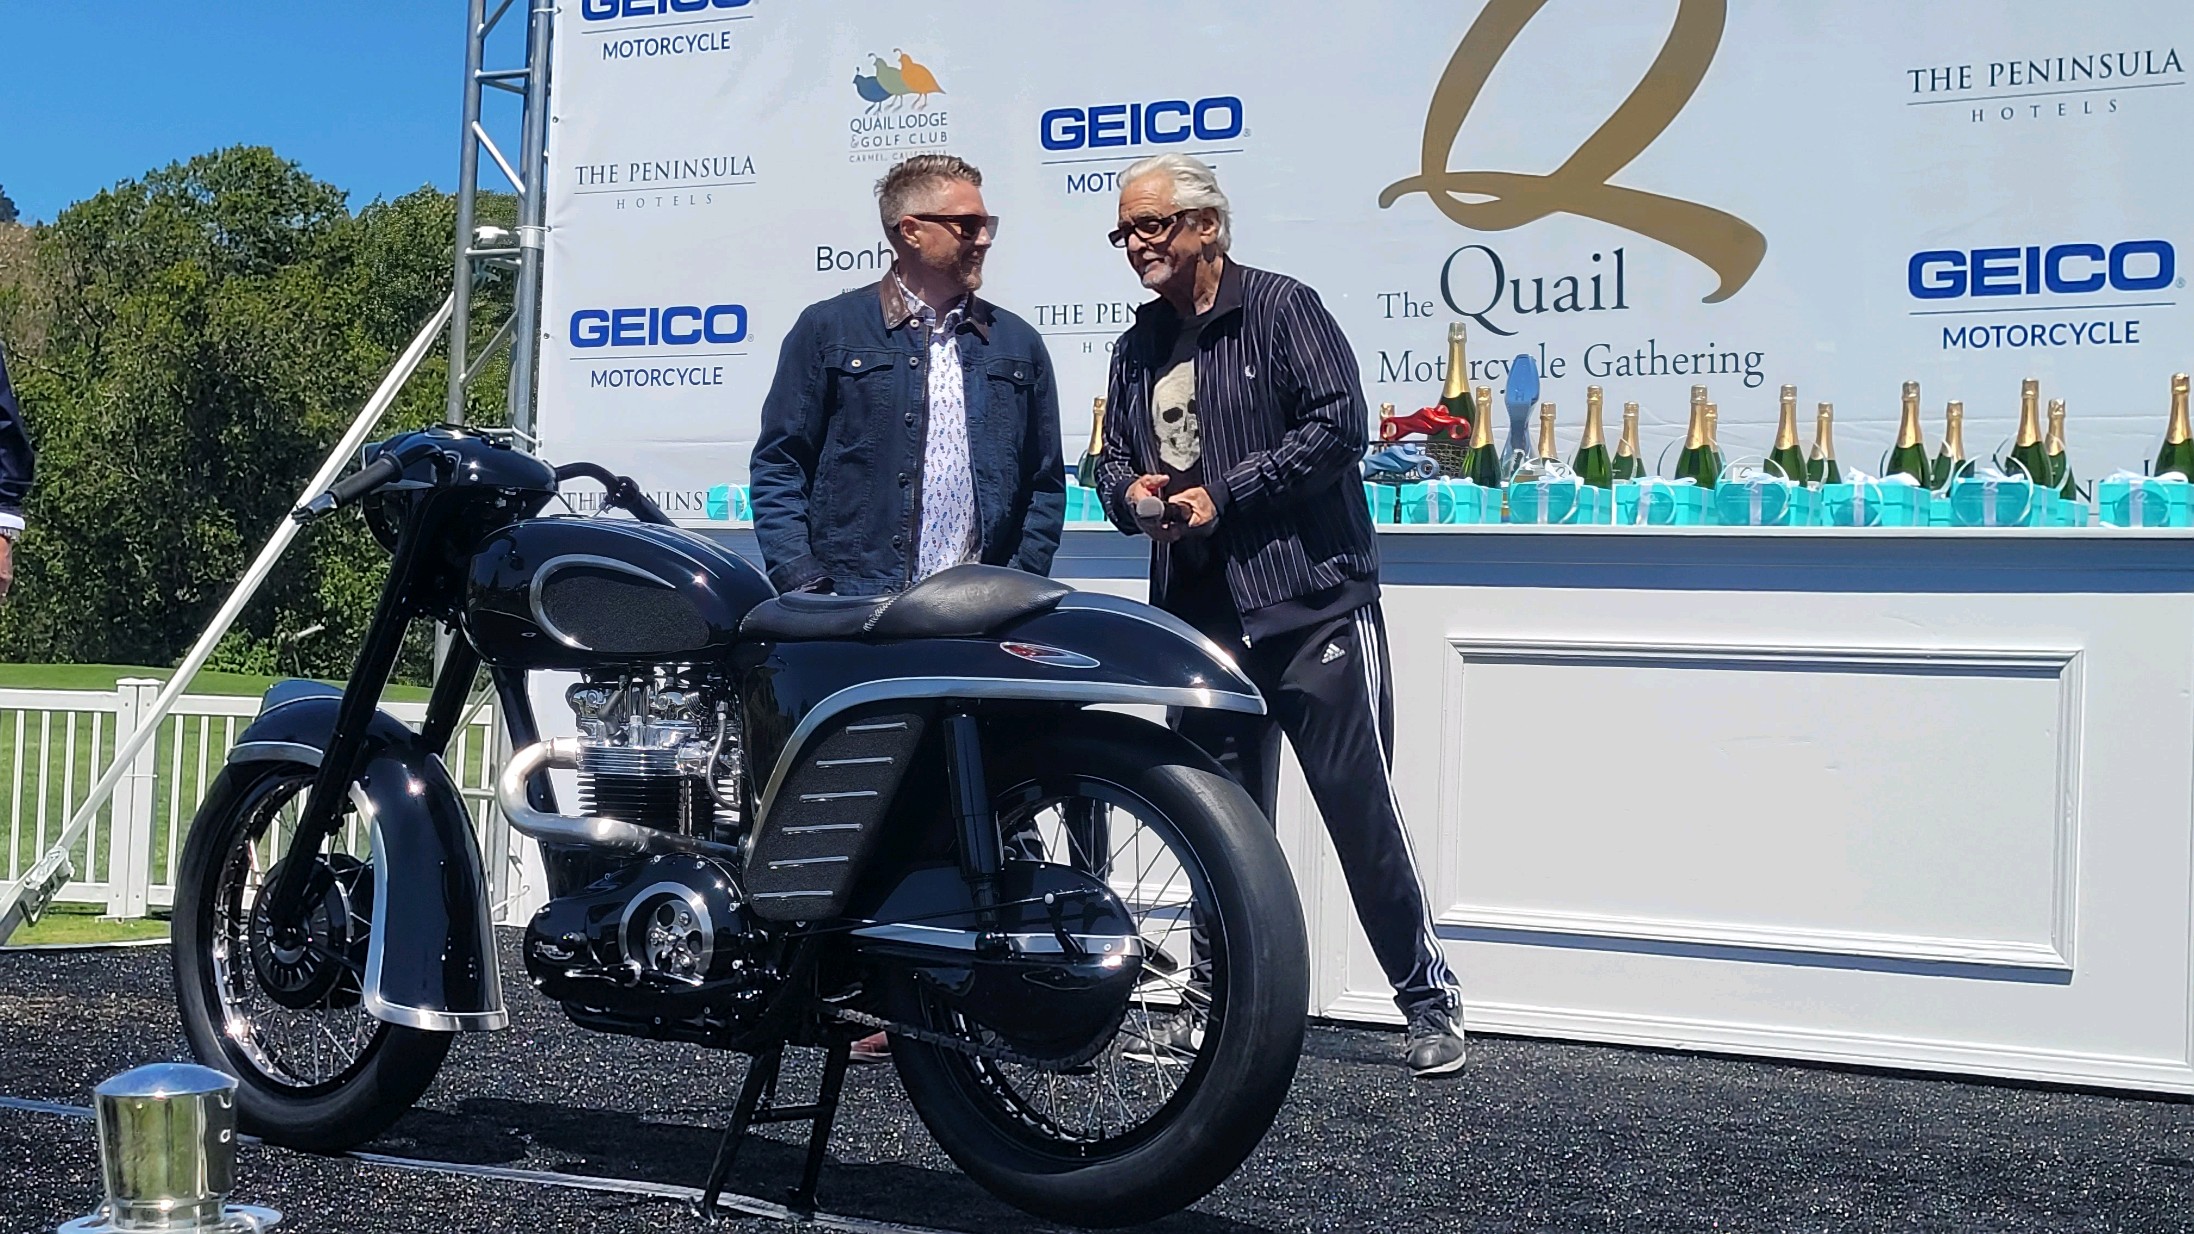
1195 187
915 178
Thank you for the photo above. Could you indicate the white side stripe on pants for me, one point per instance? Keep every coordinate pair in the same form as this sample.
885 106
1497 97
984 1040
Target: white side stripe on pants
1374 672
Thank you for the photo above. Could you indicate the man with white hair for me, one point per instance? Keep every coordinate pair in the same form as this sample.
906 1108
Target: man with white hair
1236 412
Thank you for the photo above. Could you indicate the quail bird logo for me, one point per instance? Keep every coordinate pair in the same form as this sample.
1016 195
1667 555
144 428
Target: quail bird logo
887 83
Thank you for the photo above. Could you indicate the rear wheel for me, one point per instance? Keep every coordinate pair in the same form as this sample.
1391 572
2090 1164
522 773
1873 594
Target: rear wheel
284 1014
1208 1043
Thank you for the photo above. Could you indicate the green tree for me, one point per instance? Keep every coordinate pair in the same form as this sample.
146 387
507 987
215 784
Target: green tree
192 345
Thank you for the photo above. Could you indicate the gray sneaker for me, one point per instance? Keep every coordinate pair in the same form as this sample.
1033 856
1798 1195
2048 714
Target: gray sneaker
1435 1043
1170 1038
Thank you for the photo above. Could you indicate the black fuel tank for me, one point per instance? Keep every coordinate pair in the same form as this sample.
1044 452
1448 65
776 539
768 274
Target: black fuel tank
577 593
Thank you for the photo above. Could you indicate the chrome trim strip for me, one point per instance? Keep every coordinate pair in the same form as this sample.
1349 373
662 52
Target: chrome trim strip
789 895
415 1017
839 796
880 727
801 831
891 688
855 762
808 861
1033 942
274 752
568 560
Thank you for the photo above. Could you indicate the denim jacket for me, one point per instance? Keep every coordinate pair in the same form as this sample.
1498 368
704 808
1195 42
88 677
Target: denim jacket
836 475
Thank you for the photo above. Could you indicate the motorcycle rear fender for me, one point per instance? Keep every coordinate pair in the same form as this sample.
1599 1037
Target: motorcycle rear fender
431 961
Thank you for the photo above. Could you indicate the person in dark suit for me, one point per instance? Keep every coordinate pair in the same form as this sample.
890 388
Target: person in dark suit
1235 407
17 466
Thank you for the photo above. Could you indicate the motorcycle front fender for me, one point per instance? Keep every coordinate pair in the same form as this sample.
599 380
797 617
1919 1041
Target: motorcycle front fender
430 962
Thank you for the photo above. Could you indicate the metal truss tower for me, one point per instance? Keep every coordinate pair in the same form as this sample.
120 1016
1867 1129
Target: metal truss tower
483 251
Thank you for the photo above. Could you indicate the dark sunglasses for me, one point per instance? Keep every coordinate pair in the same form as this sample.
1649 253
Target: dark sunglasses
1147 229
965 226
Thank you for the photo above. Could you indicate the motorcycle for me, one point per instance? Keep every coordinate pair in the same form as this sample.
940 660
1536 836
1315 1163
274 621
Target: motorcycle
801 819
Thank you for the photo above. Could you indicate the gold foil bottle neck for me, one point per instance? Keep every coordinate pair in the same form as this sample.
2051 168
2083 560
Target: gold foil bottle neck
1594 434
1786 423
2179 429
2030 412
2056 426
1824 431
1627 445
1546 430
1954 430
1908 420
1458 367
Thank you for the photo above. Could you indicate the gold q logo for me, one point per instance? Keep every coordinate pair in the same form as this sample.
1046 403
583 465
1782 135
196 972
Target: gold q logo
1728 245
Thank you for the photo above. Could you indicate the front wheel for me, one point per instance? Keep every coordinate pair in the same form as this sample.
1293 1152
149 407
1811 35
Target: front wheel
1208 1043
285 1014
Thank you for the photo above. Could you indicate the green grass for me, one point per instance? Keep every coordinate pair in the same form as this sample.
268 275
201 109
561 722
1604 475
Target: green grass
103 677
76 924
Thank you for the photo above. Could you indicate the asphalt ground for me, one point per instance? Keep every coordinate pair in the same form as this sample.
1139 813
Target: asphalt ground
1533 1136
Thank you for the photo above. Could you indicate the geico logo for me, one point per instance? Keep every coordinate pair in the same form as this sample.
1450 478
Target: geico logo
2060 269
1163 123
603 10
681 325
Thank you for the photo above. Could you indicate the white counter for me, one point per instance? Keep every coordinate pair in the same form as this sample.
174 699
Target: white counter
1908 797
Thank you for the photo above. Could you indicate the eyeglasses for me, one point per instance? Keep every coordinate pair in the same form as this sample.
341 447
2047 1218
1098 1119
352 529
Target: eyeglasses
1146 229
965 226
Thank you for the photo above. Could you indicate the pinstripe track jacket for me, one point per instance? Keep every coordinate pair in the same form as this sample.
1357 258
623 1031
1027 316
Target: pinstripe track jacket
1282 411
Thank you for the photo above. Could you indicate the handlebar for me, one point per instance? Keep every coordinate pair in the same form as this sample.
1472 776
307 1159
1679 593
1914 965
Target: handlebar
351 487
619 491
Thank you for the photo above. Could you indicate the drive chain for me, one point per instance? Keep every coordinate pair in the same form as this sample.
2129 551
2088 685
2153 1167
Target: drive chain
962 1045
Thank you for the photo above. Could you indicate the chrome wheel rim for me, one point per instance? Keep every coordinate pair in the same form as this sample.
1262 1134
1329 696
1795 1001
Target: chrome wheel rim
306 1048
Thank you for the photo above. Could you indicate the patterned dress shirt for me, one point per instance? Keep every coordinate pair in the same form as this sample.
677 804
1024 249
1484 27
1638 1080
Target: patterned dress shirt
948 481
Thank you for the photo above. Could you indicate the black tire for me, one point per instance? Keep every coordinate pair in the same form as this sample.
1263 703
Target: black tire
1254 1031
362 1095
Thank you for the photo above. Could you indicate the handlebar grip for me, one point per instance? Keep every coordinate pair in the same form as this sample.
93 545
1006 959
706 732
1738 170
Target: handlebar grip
351 487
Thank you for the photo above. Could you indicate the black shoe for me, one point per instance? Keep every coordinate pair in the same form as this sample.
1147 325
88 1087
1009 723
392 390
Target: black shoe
1435 1043
1173 1038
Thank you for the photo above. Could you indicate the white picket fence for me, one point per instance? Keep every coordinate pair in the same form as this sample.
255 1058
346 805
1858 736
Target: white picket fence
55 743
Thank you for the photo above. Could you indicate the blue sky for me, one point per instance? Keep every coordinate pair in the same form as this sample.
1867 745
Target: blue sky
363 93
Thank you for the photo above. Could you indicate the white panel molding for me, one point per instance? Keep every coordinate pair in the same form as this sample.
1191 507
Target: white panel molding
2063 664
1817 1045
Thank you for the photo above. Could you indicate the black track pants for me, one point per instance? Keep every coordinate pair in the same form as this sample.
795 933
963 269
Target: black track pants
1329 689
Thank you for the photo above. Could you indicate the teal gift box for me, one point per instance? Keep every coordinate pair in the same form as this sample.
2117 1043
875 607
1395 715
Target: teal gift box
1765 501
1997 501
2145 501
1413 503
1559 501
2064 511
1380 497
1661 503
1083 504
727 503
1456 501
1872 504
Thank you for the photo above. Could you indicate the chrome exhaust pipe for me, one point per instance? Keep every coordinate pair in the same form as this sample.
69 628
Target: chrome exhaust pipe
167 1154
583 830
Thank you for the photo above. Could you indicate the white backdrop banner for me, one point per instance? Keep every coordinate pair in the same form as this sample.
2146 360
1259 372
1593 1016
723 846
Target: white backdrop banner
1641 194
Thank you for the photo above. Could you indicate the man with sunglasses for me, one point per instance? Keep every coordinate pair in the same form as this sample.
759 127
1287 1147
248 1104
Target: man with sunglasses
1234 427
911 426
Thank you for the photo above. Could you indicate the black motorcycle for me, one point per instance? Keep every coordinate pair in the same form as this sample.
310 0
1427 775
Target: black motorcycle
801 819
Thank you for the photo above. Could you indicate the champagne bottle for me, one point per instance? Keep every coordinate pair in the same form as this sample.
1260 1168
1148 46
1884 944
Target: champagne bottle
1820 466
1909 456
2029 457
2055 458
1627 465
1950 461
1455 396
1696 461
1714 461
2177 454
1482 461
1786 459
1546 430
1592 464
1086 474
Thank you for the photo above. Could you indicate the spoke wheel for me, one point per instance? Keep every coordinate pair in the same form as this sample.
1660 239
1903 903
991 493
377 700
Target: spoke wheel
1210 1032
284 1010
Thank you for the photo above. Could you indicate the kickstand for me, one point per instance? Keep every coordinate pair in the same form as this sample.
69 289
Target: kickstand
758 1104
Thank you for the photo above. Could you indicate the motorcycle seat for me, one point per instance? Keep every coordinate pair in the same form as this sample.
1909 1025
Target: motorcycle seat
963 602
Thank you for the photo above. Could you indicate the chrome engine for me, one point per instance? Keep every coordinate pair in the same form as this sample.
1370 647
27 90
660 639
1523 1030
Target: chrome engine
658 754
663 945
